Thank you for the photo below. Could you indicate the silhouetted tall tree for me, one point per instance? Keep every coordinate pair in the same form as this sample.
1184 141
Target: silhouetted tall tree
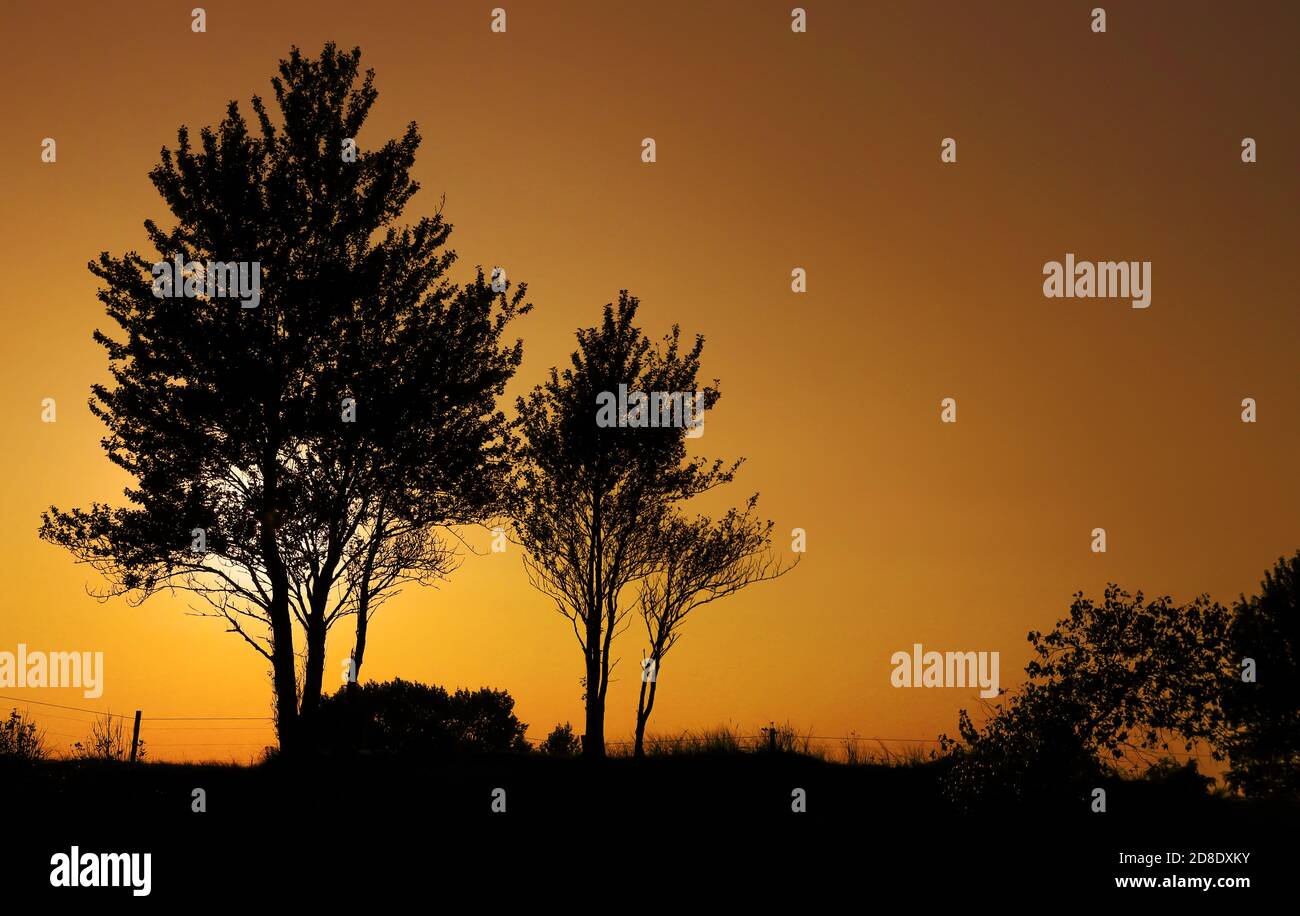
232 421
697 561
588 499
1262 714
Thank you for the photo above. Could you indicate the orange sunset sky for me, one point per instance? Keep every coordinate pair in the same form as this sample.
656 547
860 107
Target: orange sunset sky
775 151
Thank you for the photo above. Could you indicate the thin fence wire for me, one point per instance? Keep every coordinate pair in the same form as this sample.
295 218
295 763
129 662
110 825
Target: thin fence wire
147 728
101 712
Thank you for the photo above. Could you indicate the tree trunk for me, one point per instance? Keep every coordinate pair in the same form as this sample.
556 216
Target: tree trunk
593 742
359 649
638 746
644 706
283 660
363 601
313 676
593 745
285 676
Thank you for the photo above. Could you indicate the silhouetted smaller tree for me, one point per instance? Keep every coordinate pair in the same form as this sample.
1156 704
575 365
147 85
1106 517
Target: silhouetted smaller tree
697 561
588 497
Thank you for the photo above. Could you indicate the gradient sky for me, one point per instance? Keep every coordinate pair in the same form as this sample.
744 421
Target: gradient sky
775 151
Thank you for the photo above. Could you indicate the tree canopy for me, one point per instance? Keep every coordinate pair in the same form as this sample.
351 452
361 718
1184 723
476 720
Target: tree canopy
291 462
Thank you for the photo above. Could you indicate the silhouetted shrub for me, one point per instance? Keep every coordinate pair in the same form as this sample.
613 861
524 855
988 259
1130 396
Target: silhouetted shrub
107 741
20 739
1028 752
405 717
1118 676
561 742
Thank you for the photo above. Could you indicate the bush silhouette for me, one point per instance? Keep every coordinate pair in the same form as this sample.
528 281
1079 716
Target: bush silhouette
561 742
407 717
1117 679
1029 751
20 739
107 741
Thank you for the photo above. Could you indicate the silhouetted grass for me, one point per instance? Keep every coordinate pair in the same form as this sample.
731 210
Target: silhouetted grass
786 740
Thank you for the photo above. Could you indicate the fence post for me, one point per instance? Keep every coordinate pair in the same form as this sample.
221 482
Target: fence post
135 736
771 738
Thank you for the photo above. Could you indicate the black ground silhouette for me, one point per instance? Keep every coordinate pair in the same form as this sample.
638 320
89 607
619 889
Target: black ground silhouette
723 818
